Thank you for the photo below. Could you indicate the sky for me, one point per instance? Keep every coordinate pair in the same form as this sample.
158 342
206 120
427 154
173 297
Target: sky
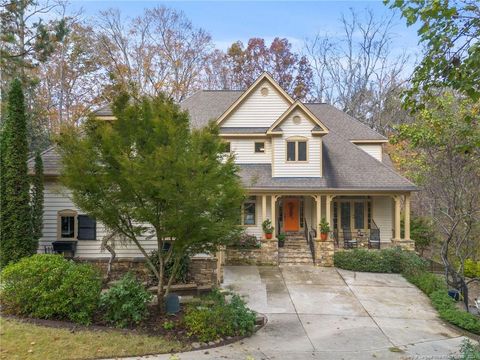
229 21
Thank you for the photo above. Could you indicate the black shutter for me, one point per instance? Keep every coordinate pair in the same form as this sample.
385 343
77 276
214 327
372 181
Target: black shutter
87 228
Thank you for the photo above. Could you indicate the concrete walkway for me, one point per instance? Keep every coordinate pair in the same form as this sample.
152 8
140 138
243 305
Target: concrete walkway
325 313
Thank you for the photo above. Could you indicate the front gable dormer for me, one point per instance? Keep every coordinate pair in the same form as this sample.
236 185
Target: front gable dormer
259 106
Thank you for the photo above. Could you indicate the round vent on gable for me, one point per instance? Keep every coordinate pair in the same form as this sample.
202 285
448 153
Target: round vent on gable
264 91
296 119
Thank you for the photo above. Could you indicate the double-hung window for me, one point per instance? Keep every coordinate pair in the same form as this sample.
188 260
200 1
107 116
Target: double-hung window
248 211
72 226
296 150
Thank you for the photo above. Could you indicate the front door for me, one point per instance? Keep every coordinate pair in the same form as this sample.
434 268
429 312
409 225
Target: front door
291 215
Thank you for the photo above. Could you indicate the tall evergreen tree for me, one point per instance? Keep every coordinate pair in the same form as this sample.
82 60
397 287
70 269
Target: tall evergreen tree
37 202
16 240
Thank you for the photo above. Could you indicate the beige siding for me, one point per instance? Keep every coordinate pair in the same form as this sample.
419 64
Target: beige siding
311 168
382 215
258 110
257 228
374 150
244 150
57 198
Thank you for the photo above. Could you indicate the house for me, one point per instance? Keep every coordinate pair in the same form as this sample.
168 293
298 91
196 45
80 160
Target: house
300 162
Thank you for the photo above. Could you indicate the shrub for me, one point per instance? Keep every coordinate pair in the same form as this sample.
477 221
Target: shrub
51 287
392 260
468 351
427 282
182 271
448 311
246 241
472 268
214 317
126 302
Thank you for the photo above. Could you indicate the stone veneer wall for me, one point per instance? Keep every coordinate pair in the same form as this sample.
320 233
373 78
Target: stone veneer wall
324 251
267 254
204 270
404 244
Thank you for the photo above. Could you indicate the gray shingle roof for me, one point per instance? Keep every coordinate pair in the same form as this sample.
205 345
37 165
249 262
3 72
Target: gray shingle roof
345 167
51 162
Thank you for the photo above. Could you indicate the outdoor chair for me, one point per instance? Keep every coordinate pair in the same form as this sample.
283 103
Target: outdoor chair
374 239
349 242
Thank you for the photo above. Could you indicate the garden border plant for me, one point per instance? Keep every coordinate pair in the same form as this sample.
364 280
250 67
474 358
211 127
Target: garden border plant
414 269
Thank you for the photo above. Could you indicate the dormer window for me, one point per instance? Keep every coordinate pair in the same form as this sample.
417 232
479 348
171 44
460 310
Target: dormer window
259 147
296 150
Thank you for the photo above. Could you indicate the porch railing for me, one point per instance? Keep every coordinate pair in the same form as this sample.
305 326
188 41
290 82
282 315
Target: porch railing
310 237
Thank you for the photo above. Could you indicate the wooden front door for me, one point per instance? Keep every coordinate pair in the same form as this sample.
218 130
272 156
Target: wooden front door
291 215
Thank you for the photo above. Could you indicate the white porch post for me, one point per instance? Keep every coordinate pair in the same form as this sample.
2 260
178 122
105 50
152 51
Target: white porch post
328 205
264 207
397 217
273 216
407 217
318 199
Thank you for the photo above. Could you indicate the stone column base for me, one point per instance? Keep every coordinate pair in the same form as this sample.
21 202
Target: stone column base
324 251
404 244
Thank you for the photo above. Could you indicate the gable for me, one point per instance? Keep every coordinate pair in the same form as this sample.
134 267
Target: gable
302 114
262 104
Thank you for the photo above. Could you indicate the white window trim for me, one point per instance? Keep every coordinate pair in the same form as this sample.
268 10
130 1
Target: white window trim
255 145
242 212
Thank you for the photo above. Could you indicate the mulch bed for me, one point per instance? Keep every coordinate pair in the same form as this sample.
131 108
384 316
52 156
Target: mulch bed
152 326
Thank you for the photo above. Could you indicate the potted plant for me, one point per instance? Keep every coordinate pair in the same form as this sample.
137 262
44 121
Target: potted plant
324 229
267 228
281 240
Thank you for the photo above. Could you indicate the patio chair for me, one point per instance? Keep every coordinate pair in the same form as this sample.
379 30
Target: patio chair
374 239
349 242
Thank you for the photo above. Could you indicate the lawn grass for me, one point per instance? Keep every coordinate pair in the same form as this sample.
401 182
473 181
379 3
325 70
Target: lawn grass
19 340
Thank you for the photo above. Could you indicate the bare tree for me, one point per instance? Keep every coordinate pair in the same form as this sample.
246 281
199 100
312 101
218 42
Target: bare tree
159 51
360 72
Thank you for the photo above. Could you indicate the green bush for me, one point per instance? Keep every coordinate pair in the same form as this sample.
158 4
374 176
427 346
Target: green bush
392 260
427 282
214 317
468 351
472 268
126 302
448 311
50 287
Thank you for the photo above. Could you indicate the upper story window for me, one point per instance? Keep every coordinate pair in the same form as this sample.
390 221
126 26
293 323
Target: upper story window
296 150
259 147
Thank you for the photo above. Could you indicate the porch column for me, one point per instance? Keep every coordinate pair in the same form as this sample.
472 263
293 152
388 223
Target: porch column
397 217
327 208
264 207
318 199
273 215
407 217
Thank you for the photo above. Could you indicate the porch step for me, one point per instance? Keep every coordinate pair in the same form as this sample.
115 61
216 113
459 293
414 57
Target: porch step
295 251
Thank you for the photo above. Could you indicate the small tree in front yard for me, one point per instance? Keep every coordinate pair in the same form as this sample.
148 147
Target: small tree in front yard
15 216
147 175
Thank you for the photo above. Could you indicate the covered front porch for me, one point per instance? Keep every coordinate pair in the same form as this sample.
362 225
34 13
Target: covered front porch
356 219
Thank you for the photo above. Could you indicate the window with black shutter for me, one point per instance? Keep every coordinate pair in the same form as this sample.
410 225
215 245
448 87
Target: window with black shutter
87 228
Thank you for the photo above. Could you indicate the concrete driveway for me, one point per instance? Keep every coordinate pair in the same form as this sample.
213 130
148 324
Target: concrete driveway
326 313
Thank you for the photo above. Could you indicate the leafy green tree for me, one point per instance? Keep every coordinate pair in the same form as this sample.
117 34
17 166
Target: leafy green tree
16 236
37 200
147 175
449 31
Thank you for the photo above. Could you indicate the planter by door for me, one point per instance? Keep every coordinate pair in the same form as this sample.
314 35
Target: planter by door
268 236
323 236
